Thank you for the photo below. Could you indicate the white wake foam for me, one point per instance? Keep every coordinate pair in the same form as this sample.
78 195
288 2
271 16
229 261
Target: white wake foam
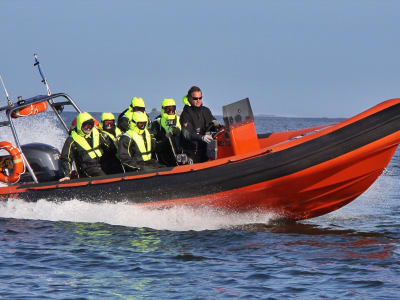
174 219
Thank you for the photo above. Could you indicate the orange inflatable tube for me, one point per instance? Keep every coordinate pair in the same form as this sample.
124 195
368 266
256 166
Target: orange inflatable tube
18 163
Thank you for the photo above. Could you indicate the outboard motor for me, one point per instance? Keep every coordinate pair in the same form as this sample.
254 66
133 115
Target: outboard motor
44 160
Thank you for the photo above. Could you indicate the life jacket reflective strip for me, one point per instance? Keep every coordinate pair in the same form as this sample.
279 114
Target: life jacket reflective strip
118 132
139 140
163 123
94 151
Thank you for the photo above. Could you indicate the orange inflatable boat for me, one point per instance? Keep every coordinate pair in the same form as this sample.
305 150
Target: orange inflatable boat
296 174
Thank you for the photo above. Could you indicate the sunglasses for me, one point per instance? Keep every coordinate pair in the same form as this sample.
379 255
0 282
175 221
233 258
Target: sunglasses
88 124
141 125
197 98
170 110
137 108
108 123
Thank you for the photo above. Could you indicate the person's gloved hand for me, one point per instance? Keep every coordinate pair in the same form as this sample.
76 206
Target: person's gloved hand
176 131
216 123
173 130
207 138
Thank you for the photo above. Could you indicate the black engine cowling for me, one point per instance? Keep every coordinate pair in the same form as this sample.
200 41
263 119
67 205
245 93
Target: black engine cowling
44 160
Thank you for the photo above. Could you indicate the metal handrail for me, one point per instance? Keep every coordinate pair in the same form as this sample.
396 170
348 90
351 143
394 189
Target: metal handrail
24 103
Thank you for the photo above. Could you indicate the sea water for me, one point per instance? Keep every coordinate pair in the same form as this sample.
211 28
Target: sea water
77 250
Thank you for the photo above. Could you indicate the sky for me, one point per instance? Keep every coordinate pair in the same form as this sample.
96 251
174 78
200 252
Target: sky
290 58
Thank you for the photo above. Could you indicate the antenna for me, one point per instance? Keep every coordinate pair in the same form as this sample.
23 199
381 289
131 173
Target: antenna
10 103
37 63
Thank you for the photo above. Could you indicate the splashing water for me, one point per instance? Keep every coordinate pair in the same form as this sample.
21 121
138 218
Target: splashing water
41 128
174 219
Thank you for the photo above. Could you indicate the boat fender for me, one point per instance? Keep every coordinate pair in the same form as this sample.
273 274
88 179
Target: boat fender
18 163
29 110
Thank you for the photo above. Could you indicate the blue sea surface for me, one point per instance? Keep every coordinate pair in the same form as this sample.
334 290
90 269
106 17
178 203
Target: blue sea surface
79 250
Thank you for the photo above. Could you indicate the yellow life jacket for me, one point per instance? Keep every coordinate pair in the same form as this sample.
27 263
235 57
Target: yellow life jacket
118 132
129 113
163 123
139 140
93 151
185 101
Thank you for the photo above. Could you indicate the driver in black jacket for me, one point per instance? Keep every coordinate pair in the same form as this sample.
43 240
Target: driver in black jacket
196 122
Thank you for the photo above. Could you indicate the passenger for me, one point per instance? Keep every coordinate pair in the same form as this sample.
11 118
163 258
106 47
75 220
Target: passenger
135 146
196 121
108 126
109 160
73 125
166 129
124 119
85 147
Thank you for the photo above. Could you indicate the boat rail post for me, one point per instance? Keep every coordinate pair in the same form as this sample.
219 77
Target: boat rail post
57 113
18 145
59 116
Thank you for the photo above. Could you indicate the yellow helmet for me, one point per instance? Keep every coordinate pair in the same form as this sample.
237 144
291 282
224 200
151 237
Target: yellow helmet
107 121
137 102
168 102
107 116
139 120
83 118
168 109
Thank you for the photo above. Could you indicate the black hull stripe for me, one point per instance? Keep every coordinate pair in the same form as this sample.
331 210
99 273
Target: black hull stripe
234 175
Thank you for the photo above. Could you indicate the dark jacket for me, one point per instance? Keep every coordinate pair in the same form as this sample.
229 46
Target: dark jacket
195 122
123 122
131 157
86 166
163 148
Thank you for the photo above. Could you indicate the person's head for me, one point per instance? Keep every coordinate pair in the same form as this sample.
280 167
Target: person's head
195 96
168 109
107 121
139 120
84 124
137 104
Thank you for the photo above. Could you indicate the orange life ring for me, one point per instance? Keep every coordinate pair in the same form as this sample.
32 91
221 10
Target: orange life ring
29 110
18 168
